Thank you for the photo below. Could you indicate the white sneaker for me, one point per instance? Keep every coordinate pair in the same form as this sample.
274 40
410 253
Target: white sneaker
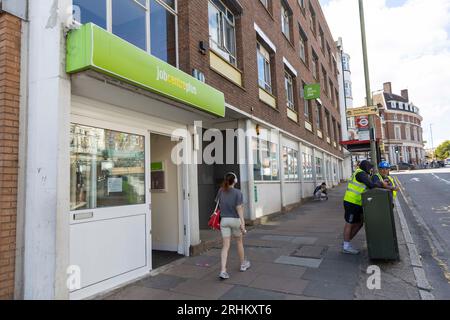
224 276
350 250
245 266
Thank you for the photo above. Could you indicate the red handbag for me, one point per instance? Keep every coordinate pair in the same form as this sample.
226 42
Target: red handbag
214 220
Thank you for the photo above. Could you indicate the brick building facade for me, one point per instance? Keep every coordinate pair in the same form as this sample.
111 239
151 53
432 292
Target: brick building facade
254 20
400 127
10 43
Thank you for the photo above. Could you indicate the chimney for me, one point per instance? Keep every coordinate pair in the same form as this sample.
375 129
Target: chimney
387 87
405 94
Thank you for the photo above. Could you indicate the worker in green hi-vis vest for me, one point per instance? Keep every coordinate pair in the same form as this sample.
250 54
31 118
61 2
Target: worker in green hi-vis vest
383 175
360 182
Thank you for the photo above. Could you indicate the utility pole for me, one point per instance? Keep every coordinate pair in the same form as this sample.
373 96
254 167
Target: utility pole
373 146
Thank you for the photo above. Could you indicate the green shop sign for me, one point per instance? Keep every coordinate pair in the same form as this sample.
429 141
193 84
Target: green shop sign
93 48
312 91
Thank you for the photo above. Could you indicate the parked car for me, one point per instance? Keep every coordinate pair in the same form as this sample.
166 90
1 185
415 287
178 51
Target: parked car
447 162
404 166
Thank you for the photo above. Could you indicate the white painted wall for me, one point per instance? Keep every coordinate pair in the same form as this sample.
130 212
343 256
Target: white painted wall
165 213
292 192
269 199
309 189
46 241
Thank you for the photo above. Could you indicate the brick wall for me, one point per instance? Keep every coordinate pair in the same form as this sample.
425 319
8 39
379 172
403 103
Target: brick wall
194 29
10 34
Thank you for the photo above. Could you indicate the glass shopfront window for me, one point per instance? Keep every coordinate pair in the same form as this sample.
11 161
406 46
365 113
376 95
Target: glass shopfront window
265 158
107 168
290 161
308 167
319 169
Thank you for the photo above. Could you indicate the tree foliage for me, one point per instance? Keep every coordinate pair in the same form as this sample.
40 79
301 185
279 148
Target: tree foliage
443 151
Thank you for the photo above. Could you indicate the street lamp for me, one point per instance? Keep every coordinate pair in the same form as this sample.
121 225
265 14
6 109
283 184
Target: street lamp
373 146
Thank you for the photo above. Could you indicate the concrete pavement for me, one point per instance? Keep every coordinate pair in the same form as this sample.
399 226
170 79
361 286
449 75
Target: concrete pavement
294 257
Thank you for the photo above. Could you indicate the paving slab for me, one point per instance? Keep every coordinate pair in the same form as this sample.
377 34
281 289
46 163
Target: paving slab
210 290
280 284
276 269
316 252
187 271
139 293
246 293
301 262
161 281
329 290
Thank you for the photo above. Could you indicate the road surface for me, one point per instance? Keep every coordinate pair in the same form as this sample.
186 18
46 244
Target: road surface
427 209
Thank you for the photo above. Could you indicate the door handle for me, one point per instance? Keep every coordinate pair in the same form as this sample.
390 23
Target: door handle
83 216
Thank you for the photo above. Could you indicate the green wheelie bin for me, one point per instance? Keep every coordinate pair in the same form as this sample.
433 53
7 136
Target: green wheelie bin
380 225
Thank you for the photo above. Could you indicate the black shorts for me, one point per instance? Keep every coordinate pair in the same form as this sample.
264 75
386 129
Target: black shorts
353 213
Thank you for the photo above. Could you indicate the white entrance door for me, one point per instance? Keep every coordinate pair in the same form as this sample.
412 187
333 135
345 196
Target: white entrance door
110 207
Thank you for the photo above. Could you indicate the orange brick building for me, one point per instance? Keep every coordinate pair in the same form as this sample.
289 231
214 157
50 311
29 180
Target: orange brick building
10 43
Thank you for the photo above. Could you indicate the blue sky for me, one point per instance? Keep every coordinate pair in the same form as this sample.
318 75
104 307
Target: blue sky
408 45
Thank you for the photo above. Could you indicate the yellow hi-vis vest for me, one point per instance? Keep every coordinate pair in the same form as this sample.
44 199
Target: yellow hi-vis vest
394 193
355 189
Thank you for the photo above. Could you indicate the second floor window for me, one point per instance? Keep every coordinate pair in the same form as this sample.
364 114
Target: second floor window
289 86
314 66
303 47
285 21
149 25
222 30
348 89
319 116
264 77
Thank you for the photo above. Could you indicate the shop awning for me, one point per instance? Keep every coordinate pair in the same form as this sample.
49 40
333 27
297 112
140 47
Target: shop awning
93 48
357 145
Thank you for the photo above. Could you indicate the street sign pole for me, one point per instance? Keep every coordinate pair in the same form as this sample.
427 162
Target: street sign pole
373 147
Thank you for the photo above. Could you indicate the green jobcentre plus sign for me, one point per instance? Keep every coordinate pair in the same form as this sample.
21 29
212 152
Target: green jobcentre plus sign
312 91
93 48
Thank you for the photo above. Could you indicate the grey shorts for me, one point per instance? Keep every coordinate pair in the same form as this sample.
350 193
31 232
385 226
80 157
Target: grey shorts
230 226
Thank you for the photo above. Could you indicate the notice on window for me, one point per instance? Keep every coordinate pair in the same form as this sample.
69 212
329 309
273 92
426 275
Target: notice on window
114 185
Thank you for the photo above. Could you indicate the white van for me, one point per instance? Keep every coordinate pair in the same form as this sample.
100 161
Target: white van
447 162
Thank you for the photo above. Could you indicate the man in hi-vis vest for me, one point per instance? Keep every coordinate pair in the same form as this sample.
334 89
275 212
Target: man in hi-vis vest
359 183
383 175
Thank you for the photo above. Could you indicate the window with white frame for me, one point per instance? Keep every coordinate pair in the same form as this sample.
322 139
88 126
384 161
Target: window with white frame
285 20
264 75
265 3
319 116
301 3
303 44
348 89
346 63
265 159
398 133
315 65
290 162
222 30
307 167
415 134
289 87
408 132
395 117
306 104
147 24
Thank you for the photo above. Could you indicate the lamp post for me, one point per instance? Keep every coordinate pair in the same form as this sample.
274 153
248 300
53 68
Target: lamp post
373 147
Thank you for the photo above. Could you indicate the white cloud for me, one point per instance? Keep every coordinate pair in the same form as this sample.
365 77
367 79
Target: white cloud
408 45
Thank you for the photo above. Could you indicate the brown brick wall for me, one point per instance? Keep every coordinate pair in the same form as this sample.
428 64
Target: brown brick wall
10 35
194 28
